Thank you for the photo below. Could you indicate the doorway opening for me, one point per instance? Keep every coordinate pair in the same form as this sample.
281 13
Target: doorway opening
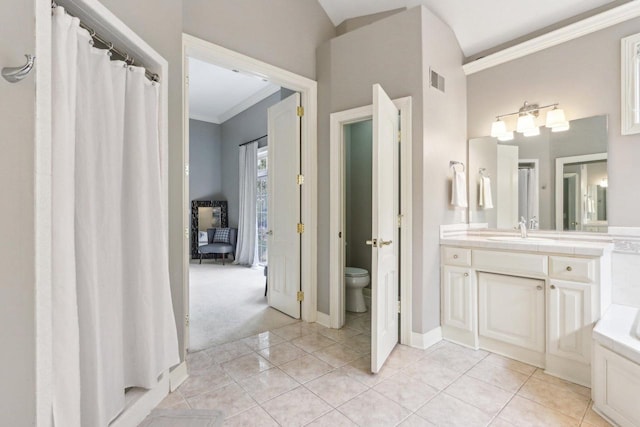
243 131
364 244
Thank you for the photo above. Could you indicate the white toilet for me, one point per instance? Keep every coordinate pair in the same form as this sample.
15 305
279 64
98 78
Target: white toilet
355 279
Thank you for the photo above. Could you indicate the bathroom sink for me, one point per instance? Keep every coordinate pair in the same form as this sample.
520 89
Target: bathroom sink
518 239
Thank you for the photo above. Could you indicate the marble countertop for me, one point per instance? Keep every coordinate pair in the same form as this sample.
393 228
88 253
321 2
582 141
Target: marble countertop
559 244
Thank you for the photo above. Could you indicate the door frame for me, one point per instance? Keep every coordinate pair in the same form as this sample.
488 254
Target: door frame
215 54
560 162
336 217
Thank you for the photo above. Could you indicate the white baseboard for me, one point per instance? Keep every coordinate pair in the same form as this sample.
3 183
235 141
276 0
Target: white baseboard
178 375
426 340
323 319
138 409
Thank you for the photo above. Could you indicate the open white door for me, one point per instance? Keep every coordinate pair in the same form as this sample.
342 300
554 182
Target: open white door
283 216
384 259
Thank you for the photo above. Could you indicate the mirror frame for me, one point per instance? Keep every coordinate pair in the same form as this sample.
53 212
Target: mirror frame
560 162
630 83
224 221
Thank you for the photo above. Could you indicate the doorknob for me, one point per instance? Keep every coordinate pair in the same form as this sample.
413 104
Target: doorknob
270 233
384 243
372 242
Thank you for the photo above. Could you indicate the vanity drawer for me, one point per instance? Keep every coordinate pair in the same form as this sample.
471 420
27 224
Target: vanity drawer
574 269
456 256
510 262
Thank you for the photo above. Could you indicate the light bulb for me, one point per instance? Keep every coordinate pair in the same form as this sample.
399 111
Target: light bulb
555 118
525 123
498 128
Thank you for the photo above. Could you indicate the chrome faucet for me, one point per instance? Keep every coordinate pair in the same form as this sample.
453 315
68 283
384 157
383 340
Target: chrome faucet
523 227
533 223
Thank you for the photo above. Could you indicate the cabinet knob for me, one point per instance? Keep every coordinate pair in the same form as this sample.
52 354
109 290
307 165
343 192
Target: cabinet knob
455 256
539 287
466 274
569 268
553 286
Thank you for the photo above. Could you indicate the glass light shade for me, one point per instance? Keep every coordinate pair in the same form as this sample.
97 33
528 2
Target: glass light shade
498 128
525 123
555 118
508 136
561 127
532 132
604 183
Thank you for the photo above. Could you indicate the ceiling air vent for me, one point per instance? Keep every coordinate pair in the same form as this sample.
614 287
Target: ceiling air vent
436 80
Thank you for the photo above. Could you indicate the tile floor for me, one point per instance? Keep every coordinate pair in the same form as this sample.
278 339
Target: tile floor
305 374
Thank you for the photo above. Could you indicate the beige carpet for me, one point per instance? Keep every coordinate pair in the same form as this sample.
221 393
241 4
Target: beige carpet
227 303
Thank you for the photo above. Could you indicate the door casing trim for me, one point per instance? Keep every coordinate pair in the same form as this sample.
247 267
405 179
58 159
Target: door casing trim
206 51
336 258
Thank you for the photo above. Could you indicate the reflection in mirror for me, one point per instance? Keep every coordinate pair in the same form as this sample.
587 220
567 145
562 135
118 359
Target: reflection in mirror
581 193
519 177
209 217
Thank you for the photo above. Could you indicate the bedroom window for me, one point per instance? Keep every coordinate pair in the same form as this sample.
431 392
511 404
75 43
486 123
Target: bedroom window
261 206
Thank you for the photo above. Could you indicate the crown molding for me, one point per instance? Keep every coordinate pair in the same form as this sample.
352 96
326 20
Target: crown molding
573 31
249 102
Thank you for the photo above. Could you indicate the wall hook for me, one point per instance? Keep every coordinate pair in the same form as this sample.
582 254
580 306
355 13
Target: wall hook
15 74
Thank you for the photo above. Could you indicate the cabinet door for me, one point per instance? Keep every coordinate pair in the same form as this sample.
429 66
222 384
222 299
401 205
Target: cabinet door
570 320
511 310
457 298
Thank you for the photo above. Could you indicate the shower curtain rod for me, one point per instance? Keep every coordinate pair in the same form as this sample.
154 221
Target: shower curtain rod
253 140
124 55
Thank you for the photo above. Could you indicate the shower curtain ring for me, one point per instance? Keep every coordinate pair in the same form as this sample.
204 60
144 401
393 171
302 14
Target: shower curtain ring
110 51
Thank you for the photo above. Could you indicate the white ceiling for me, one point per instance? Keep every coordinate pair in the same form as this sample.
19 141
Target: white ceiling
478 24
216 94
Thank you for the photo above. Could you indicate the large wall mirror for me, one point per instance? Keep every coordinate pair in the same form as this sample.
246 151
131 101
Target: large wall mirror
206 214
556 180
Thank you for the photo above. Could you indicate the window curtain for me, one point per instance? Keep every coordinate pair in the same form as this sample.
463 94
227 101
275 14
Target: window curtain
247 248
113 325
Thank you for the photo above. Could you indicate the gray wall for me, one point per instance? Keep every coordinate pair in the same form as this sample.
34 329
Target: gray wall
358 164
245 126
284 33
205 161
17 226
397 52
444 139
584 76
360 21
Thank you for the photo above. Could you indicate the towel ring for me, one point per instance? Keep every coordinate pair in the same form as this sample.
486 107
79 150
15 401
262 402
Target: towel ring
453 164
483 172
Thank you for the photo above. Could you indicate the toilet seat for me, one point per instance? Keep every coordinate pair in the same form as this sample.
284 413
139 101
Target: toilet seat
355 272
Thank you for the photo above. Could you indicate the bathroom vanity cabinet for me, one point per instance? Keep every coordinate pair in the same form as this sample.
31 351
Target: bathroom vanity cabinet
533 303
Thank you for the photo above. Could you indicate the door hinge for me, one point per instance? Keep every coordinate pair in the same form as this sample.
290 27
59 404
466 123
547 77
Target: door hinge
186 80
300 179
399 136
399 306
300 296
399 220
300 228
300 111
186 169
186 232
186 320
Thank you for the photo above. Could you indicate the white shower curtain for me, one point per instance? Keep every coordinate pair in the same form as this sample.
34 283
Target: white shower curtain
527 193
113 324
247 248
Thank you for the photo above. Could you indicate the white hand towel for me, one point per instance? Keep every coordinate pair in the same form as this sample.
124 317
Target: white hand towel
459 190
485 200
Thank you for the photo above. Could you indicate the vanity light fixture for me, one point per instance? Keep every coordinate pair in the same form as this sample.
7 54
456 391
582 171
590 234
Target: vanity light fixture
526 123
